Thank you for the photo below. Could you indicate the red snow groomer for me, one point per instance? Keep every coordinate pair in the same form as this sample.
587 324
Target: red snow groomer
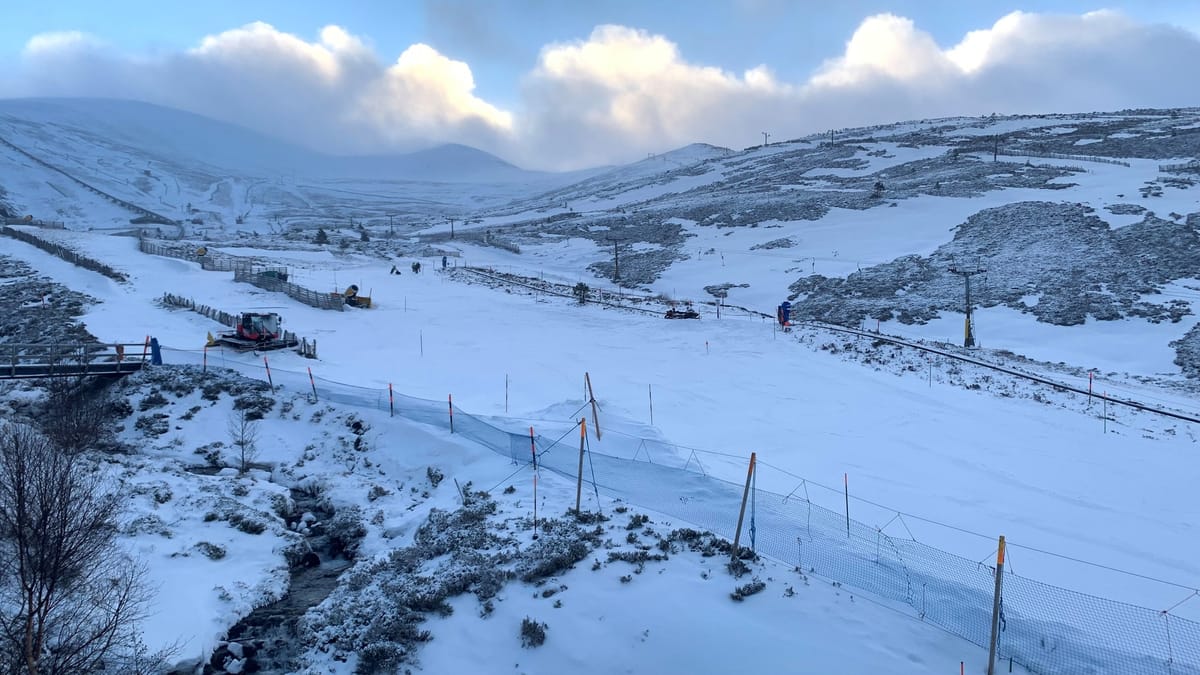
688 312
258 331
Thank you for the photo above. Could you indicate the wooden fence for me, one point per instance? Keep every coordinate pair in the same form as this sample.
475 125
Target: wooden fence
1016 152
307 348
65 253
265 280
1193 166
247 271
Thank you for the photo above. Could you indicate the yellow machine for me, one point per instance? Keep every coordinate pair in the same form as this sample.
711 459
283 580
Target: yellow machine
354 299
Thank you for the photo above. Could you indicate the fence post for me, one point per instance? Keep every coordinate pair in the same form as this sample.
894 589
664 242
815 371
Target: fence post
579 480
269 381
450 399
532 449
592 399
313 383
737 535
391 402
991 669
846 487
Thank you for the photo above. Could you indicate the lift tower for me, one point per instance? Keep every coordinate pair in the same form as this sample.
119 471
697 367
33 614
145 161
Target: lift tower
969 323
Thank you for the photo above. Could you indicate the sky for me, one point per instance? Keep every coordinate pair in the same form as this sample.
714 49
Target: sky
556 86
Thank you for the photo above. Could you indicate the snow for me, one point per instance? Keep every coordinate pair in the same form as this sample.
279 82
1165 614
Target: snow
895 156
1107 347
542 350
963 465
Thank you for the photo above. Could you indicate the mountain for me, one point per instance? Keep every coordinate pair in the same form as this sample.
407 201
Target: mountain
852 226
62 158
151 132
433 459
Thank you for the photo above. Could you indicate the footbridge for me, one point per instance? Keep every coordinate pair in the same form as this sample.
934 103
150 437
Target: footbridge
32 361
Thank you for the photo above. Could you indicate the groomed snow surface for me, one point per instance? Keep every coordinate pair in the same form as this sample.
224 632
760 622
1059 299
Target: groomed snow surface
1049 473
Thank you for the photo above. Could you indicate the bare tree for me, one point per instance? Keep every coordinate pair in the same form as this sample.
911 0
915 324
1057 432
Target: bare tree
70 599
243 433
77 412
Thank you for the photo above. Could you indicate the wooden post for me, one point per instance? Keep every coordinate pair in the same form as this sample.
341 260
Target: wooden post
313 383
846 486
532 449
391 402
737 535
269 381
650 391
991 669
450 399
579 480
592 399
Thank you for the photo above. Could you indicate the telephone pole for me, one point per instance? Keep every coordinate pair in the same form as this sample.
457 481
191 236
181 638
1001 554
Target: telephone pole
616 260
765 137
969 324
451 227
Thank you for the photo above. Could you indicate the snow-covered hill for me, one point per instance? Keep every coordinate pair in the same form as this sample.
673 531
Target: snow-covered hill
861 228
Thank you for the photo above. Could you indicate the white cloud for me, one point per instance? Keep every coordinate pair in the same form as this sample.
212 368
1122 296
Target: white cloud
623 92
884 46
627 90
334 94
424 93
58 41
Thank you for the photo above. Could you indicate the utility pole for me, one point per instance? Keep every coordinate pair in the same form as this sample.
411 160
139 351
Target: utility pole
969 325
765 137
451 227
616 260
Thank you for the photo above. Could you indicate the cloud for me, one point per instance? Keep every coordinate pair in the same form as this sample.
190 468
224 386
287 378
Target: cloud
334 94
623 88
627 88
622 92
58 41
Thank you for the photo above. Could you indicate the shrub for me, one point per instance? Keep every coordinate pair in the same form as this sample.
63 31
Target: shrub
742 592
346 531
212 551
247 524
533 633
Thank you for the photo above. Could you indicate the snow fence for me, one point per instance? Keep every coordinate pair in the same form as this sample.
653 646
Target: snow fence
1044 628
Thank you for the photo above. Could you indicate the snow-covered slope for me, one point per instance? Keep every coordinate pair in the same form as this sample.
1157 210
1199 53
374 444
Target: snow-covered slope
159 133
934 451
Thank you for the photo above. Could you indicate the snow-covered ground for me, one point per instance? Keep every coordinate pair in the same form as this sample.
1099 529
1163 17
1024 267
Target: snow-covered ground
969 459
948 455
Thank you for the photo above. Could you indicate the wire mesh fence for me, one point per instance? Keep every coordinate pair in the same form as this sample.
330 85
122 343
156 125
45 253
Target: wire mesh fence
1044 628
